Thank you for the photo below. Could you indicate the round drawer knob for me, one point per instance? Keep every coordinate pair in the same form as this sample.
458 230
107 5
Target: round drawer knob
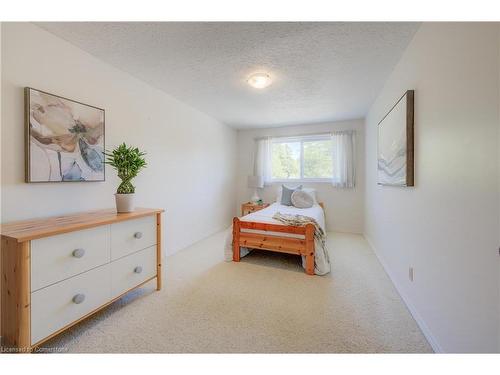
79 298
138 235
138 269
78 253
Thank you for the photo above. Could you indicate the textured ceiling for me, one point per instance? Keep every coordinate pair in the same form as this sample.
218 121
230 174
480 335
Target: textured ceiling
321 71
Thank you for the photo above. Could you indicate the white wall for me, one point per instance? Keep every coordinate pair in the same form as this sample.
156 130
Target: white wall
446 227
191 156
498 151
343 207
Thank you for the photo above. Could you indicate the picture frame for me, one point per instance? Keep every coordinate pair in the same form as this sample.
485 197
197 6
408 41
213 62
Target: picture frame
64 139
395 144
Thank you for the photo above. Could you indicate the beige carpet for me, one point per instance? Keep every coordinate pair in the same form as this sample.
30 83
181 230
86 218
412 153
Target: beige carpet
264 304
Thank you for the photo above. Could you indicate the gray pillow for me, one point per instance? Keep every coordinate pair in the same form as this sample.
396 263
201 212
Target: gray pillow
301 199
286 195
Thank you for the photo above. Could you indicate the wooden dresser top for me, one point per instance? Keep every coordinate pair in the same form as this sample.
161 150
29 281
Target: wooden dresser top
38 228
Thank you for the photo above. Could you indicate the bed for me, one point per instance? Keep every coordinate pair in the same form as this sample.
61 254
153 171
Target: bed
258 230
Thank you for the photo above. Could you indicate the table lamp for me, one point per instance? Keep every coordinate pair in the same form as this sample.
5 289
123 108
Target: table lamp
255 182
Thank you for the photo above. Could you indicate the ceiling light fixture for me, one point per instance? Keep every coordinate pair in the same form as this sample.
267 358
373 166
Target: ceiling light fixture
259 80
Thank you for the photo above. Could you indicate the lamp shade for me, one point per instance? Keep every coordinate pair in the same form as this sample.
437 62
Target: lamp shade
255 182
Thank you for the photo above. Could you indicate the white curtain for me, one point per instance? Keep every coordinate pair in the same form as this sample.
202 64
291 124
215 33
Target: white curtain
262 159
344 163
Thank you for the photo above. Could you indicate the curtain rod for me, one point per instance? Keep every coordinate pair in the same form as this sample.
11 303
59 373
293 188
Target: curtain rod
304 134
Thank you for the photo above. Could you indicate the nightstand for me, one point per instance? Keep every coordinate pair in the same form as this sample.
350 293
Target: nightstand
249 207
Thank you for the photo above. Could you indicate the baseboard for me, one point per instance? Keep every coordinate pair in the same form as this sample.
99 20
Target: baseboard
220 229
413 311
343 231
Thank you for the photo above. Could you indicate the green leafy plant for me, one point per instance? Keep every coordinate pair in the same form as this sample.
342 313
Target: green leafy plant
127 161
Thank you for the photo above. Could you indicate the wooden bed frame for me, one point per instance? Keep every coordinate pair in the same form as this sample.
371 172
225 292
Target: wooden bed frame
273 242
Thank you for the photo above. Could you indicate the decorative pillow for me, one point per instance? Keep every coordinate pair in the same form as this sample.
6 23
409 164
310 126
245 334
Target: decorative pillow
286 194
312 193
302 199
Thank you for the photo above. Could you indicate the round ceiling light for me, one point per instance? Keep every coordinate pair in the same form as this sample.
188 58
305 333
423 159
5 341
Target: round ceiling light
259 80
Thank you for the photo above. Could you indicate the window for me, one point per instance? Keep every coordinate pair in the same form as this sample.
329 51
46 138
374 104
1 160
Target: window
318 158
302 158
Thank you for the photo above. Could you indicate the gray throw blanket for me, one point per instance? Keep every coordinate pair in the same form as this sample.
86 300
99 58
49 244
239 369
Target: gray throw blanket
321 259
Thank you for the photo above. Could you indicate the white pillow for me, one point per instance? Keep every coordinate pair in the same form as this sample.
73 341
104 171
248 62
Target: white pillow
302 199
310 191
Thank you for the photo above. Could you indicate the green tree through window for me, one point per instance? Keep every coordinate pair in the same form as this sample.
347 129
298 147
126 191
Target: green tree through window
286 160
318 159
302 158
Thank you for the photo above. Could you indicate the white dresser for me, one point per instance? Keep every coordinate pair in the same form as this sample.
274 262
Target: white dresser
57 271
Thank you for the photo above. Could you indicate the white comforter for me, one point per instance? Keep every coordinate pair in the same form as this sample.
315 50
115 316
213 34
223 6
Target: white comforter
266 216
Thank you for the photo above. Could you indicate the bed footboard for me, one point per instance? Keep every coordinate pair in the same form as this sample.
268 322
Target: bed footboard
273 242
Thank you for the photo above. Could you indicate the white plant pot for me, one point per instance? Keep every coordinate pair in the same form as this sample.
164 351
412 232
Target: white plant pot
124 202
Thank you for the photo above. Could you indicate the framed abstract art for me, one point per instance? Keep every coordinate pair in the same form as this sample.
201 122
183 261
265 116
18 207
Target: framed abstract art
395 157
64 139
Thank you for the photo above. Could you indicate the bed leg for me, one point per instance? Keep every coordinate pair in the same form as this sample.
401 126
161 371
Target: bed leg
309 249
236 239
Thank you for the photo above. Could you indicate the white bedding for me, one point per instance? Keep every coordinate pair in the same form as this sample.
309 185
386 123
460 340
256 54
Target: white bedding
266 216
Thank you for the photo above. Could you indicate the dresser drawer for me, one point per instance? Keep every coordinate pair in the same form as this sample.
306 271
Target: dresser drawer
132 270
59 257
56 306
132 235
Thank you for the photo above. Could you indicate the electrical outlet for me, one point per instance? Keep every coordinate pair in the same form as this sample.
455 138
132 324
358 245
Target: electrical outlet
410 273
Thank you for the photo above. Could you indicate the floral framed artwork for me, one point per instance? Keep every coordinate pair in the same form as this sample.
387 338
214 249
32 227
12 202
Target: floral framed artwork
64 139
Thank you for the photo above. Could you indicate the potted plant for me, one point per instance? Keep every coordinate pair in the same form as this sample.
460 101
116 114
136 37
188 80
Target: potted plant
127 161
